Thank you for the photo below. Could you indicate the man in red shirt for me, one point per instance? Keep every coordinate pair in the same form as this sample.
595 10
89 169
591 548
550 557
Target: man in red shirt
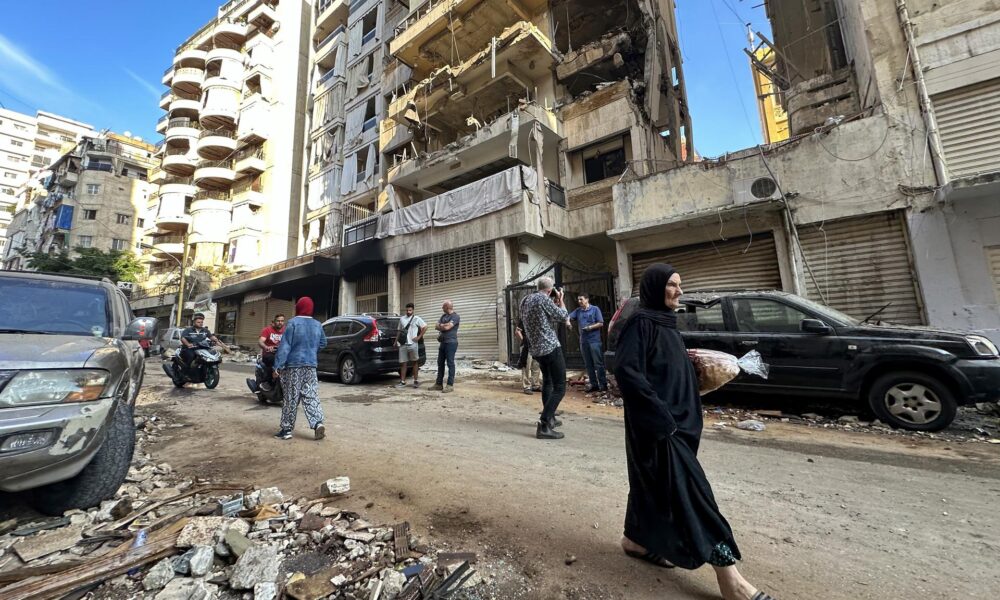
270 337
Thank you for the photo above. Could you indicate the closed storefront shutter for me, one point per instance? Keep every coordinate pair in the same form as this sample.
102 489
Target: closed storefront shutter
969 120
255 315
742 263
993 258
861 264
466 277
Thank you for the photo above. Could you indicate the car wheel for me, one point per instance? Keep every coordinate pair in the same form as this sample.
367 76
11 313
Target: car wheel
349 371
211 377
102 477
913 401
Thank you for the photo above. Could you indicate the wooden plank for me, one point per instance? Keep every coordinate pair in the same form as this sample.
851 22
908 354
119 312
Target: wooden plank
46 543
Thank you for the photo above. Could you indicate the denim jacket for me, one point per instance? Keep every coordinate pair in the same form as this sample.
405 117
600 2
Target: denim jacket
301 341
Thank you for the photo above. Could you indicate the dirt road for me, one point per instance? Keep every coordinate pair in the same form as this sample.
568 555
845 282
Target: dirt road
817 514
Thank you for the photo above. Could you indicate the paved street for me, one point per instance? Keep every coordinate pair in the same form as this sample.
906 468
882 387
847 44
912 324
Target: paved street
817 513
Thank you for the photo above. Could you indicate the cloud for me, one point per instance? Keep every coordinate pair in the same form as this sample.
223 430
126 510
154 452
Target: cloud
24 77
152 89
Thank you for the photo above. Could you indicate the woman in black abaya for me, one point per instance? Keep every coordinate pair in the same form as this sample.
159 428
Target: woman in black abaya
672 518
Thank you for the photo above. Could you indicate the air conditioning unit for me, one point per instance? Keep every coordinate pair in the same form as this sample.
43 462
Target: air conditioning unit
755 189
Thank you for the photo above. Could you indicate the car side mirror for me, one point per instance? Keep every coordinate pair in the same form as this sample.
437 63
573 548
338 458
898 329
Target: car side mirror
141 329
814 326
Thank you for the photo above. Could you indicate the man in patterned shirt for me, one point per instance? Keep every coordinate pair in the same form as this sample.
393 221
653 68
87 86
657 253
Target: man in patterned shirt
541 313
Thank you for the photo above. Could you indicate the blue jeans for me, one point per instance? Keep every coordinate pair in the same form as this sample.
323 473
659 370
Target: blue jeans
593 358
446 353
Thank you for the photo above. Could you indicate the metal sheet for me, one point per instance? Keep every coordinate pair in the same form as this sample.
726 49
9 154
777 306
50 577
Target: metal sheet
969 120
993 258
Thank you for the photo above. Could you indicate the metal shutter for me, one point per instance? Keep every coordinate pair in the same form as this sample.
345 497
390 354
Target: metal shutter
466 277
969 120
742 263
255 315
993 258
862 264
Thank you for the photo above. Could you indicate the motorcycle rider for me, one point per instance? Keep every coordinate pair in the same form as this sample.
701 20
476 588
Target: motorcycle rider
270 337
194 335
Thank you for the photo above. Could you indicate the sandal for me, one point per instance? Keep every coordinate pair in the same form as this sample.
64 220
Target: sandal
655 559
761 596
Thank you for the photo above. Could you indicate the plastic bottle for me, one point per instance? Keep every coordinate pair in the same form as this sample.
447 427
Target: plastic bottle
138 542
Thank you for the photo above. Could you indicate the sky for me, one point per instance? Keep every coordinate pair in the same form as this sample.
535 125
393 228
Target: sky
101 63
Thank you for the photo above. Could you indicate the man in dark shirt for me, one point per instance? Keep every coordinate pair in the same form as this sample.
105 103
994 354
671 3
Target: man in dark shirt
194 335
447 327
541 313
590 321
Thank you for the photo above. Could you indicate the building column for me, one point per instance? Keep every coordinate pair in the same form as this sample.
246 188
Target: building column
393 288
624 272
348 297
504 277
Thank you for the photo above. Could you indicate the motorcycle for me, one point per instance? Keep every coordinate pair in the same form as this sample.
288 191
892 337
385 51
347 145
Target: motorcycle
272 393
204 368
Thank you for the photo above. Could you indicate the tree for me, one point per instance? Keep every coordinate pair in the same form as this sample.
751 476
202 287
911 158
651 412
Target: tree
116 265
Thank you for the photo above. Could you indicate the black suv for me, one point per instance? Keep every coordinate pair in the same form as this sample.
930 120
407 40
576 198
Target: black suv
360 345
911 377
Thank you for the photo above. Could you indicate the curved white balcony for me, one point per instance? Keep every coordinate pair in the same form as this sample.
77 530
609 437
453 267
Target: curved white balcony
245 249
188 80
210 221
161 124
157 176
172 248
171 216
190 57
184 107
230 31
223 53
214 174
176 189
168 75
222 104
216 144
181 131
179 162
165 99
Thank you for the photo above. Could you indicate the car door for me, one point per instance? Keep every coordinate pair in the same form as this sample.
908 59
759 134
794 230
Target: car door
703 325
326 359
796 360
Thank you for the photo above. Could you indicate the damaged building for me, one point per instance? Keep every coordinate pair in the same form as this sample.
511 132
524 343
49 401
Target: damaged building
885 193
506 124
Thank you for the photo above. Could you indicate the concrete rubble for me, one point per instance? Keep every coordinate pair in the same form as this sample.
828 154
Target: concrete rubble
305 549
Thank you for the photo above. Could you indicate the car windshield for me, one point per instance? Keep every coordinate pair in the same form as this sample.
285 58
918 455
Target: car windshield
58 307
827 312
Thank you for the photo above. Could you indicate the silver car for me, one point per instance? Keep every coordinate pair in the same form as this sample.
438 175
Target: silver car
70 369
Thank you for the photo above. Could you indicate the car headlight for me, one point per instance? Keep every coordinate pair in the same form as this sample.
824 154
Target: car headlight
982 345
54 386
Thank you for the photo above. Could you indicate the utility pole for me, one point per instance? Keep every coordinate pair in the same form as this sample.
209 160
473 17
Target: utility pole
180 289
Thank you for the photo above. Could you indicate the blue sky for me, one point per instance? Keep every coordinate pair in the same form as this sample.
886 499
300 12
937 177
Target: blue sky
102 62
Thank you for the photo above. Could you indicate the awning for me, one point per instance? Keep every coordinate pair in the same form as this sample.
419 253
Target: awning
320 265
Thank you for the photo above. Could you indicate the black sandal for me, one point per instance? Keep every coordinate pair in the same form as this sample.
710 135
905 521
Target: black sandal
761 596
654 559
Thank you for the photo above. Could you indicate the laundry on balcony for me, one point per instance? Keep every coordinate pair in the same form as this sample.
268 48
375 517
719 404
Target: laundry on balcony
488 195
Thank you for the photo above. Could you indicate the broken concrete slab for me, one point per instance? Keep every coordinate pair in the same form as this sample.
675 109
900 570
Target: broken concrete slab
112 510
46 543
259 564
360 536
160 575
313 522
237 542
337 485
186 589
265 591
200 560
201 531
271 495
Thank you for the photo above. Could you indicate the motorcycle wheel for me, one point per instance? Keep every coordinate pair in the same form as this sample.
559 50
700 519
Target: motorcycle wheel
171 371
211 377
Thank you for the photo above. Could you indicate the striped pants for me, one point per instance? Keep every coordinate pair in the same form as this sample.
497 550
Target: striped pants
301 387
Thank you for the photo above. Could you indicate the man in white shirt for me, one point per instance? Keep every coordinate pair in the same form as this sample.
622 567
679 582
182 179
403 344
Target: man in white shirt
411 333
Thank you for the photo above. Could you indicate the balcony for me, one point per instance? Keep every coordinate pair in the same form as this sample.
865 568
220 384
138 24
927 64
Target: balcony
230 31
330 14
214 174
181 131
327 44
181 107
167 247
165 98
249 191
161 124
420 40
210 221
216 144
168 75
172 216
255 120
190 57
157 176
188 80
327 79
246 221
222 104
263 16
250 161
230 52
179 162
360 224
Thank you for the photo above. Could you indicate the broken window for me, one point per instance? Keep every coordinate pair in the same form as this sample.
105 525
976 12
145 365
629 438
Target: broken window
368 26
369 121
607 160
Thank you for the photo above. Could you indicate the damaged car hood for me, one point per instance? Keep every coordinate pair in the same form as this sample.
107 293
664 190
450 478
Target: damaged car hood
42 351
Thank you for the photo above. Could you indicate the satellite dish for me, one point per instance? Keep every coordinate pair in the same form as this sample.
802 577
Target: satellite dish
128 134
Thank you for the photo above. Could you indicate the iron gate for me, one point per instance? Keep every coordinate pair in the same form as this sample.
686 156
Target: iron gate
600 287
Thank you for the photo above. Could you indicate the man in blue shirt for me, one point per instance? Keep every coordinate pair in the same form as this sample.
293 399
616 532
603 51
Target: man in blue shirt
590 321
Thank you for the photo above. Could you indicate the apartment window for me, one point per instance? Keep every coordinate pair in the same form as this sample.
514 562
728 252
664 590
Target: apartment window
368 27
369 114
89 214
604 161
119 244
66 138
17 143
86 241
20 127
8 191
9 175
123 219
93 189
141 223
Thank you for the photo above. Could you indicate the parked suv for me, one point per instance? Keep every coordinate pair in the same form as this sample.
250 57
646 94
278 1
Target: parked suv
70 369
361 345
911 377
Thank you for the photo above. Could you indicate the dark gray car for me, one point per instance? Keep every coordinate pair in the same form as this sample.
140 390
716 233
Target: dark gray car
70 370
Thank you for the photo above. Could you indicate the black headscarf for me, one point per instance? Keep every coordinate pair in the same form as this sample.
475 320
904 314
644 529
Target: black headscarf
651 291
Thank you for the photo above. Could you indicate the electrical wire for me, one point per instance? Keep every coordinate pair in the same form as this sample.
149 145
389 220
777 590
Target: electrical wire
819 140
732 71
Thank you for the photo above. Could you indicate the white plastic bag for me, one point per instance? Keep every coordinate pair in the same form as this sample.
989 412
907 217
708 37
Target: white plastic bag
715 369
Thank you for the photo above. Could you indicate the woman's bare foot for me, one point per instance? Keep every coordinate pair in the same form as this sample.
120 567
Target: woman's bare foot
630 546
732 584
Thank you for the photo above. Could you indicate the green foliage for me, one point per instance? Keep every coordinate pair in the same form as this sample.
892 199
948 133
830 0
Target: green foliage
116 265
